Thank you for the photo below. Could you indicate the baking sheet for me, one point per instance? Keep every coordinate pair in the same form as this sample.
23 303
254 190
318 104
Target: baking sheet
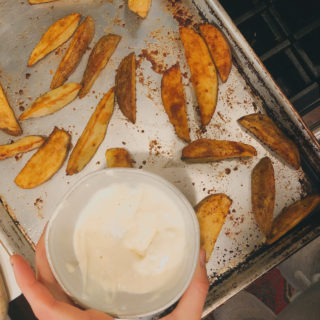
151 141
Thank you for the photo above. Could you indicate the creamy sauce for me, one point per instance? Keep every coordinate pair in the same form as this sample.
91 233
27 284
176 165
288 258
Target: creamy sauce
129 239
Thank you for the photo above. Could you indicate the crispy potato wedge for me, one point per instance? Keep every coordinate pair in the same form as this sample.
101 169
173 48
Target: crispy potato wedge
263 194
57 34
203 72
126 87
8 121
211 213
267 132
52 101
92 135
140 7
174 101
291 216
98 59
76 50
24 144
219 49
46 161
39 1
207 150
118 158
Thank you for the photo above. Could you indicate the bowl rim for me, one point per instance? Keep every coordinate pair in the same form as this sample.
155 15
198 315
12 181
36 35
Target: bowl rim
167 185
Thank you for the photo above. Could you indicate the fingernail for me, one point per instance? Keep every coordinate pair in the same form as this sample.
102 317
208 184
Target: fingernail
202 257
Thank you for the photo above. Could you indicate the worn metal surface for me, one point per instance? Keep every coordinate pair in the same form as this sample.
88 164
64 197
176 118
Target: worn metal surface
152 141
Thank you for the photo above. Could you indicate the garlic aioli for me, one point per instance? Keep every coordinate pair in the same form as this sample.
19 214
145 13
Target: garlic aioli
129 239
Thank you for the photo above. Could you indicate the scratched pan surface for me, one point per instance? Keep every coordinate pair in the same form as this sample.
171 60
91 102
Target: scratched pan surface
151 141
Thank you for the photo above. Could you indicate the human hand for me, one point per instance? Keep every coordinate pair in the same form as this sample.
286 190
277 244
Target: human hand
50 302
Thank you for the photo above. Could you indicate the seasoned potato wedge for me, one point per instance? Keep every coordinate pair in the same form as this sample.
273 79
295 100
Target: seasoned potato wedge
263 194
57 34
207 150
118 158
98 59
267 132
40 1
8 121
174 101
219 49
203 72
126 87
92 135
291 216
46 161
140 7
52 101
211 213
77 48
24 144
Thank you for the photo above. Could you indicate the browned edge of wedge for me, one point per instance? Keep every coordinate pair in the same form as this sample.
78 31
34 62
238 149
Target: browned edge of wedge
291 216
174 102
140 7
125 89
118 158
263 194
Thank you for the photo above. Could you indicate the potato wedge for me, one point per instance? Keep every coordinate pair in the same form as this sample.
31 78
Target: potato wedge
125 89
52 101
98 59
219 49
40 1
267 132
291 216
203 72
207 150
263 194
8 121
174 101
57 34
92 135
140 7
24 144
211 213
46 161
76 50
118 158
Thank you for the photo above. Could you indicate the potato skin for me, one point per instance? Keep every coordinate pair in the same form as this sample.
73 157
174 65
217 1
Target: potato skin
125 89
118 158
267 132
208 150
174 101
263 194
211 213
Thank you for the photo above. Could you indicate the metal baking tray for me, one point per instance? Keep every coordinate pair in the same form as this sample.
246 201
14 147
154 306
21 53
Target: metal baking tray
240 255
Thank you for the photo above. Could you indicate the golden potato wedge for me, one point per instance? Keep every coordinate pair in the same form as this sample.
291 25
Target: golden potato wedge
24 144
267 132
219 49
207 150
8 121
57 34
98 59
291 216
174 101
118 158
126 87
211 213
52 101
140 7
46 161
76 50
203 72
92 135
40 1
263 193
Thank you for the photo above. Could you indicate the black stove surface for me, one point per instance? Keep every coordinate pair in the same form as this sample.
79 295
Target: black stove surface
285 34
